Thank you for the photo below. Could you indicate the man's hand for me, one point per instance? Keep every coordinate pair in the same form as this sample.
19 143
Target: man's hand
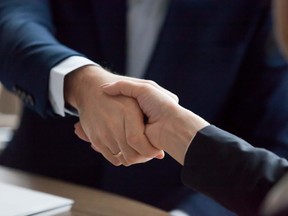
170 127
110 124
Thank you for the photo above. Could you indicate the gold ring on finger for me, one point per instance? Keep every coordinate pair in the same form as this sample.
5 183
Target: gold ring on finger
118 154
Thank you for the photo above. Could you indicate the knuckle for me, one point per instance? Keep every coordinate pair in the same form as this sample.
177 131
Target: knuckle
151 82
129 161
126 164
118 164
115 162
176 98
133 140
132 160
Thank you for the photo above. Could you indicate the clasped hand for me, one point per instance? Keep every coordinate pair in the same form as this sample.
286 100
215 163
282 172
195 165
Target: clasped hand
111 122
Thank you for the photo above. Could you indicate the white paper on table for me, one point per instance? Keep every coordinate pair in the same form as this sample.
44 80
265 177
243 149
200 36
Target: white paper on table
19 201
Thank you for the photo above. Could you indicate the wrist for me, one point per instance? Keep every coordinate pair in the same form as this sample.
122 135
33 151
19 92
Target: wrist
79 82
184 128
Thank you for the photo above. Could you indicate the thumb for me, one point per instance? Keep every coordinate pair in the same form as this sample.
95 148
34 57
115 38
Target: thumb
124 87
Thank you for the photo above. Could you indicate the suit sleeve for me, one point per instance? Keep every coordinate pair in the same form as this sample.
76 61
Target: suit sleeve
231 171
28 51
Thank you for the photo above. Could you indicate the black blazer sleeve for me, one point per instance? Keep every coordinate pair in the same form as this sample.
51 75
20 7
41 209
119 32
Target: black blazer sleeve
231 171
28 50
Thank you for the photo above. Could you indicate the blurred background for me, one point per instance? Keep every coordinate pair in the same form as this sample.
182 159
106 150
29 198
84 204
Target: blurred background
10 110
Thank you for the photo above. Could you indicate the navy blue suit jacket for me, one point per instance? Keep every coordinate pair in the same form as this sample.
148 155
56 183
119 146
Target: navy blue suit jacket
219 57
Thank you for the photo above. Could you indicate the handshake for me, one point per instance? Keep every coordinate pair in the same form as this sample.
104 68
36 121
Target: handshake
169 127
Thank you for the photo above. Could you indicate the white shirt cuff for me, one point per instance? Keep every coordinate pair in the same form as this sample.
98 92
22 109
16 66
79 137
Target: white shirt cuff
56 80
